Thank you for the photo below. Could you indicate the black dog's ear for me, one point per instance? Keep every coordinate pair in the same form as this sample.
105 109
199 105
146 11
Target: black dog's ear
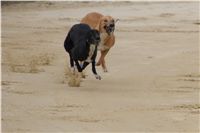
93 36
96 31
96 35
89 33
88 36
87 41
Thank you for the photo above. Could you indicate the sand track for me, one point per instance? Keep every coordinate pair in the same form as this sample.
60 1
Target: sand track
153 78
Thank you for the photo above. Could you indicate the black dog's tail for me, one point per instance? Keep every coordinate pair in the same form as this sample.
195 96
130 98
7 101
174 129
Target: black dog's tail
68 44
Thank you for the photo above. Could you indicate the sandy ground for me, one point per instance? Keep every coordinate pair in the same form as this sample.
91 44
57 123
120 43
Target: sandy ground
151 86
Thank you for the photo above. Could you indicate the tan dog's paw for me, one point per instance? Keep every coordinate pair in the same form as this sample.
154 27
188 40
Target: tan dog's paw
98 64
98 77
105 70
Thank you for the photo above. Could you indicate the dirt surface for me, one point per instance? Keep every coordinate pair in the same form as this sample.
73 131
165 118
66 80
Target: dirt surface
153 79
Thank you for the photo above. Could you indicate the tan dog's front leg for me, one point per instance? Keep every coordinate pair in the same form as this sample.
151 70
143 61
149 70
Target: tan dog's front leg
102 60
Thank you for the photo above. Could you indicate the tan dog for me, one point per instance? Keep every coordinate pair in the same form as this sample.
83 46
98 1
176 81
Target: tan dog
106 26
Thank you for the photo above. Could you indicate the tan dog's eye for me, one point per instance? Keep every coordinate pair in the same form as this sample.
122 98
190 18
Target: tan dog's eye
105 21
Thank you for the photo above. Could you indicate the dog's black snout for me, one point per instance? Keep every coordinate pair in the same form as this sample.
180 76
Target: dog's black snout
98 38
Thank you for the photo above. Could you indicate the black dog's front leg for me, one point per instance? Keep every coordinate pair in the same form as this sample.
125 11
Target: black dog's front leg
85 64
94 70
78 66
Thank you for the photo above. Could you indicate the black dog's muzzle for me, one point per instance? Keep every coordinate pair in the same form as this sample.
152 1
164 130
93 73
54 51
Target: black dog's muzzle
97 41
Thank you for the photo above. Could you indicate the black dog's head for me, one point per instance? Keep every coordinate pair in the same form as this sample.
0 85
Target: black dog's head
93 37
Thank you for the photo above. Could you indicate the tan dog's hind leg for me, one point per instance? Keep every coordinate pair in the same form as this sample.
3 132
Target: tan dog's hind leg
102 60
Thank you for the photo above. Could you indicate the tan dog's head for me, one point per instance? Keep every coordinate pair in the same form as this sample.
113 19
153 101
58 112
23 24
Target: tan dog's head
107 24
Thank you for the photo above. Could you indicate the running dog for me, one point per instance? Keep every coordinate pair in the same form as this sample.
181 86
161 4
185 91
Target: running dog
81 44
106 26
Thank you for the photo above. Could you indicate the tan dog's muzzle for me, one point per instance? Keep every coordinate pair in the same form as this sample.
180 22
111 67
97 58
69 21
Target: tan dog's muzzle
110 27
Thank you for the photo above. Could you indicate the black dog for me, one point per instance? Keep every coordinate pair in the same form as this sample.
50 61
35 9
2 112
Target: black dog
81 44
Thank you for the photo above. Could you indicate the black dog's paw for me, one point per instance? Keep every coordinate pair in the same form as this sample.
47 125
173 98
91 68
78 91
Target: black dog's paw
98 77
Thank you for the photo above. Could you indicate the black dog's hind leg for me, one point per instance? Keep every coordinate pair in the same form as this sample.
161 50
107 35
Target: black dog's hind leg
68 45
72 64
94 70
71 61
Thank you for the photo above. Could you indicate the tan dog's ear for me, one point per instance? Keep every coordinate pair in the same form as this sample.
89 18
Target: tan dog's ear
116 20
